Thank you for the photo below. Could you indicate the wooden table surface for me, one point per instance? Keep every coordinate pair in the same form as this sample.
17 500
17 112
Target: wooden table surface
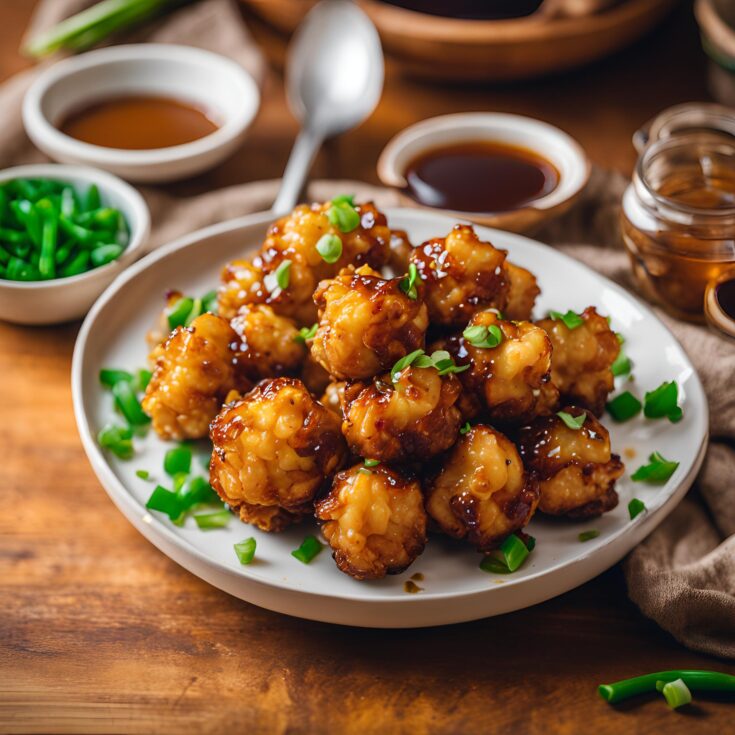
101 633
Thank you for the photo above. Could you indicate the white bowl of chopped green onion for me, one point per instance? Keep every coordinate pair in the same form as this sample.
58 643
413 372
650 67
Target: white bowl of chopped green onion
65 233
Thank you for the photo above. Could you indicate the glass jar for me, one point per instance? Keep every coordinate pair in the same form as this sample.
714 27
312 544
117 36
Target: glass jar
678 218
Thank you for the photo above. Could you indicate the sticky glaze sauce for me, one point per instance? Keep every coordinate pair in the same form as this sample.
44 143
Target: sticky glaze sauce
482 176
411 587
138 122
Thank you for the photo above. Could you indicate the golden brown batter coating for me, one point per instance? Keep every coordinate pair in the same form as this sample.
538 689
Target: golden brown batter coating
461 275
274 448
510 381
412 419
268 346
195 369
483 493
522 293
581 359
576 469
366 323
374 520
242 283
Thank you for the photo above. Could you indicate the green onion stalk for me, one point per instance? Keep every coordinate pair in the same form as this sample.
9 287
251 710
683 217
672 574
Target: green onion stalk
712 681
94 24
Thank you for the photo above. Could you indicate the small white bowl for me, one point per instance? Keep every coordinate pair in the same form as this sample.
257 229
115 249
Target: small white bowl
63 299
209 81
566 155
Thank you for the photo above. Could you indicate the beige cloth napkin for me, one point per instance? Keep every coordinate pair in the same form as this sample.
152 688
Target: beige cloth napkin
683 574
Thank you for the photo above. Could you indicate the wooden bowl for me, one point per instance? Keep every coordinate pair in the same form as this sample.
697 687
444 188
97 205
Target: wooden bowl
436 47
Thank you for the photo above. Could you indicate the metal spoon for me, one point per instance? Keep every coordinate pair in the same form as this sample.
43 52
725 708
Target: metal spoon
334 78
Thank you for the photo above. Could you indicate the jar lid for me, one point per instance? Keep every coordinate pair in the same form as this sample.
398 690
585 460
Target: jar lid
719 303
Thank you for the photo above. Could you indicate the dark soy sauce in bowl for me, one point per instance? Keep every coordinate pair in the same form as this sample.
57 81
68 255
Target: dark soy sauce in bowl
482 176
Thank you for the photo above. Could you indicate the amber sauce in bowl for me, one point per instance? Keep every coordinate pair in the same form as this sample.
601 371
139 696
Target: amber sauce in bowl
138 122
481 176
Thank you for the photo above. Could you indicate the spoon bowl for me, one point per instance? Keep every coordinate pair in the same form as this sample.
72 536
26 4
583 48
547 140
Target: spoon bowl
334 79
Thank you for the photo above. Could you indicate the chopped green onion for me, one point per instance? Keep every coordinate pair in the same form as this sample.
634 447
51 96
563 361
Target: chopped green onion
572 422
280 278
483 337
49 240
179 312
164 501
218 519
364 471
441 360
675 692
142 378
196 310
78 264
657 471
622 364
306 333
662 402
696 680
571 319
177 460
343 215
466 429
245 550
514 552
636 507
309 548
142 474
624 407
105 254
588 535
92 198
109 377
330 248
209 302
444 363
510 556
407 284
128 404
179 479
197 491
371 462
118 439
344 199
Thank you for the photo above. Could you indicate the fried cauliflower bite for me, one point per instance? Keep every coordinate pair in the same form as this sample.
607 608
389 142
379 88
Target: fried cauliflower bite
576 468
374 520
412 419
297 235
522 292
483 493
461 275
268 345
273 450
242 283
195 369
581 359
366 323
511 380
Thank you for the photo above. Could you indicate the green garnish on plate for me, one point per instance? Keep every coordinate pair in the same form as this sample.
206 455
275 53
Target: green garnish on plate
657 471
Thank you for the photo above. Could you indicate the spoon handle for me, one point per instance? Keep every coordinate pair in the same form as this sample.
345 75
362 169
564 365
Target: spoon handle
299 163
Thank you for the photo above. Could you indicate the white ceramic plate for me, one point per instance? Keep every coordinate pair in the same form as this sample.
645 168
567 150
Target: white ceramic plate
454 588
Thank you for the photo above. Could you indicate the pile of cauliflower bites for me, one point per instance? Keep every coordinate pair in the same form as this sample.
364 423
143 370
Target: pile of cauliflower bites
388 406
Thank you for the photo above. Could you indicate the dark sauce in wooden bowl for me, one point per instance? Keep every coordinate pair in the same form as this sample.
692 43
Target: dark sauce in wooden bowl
138 122
482 176
471 9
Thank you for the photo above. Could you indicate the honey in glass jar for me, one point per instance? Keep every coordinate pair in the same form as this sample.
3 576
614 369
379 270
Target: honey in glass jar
678 218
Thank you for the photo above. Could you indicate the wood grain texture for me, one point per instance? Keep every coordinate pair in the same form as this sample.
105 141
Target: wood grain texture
100 633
